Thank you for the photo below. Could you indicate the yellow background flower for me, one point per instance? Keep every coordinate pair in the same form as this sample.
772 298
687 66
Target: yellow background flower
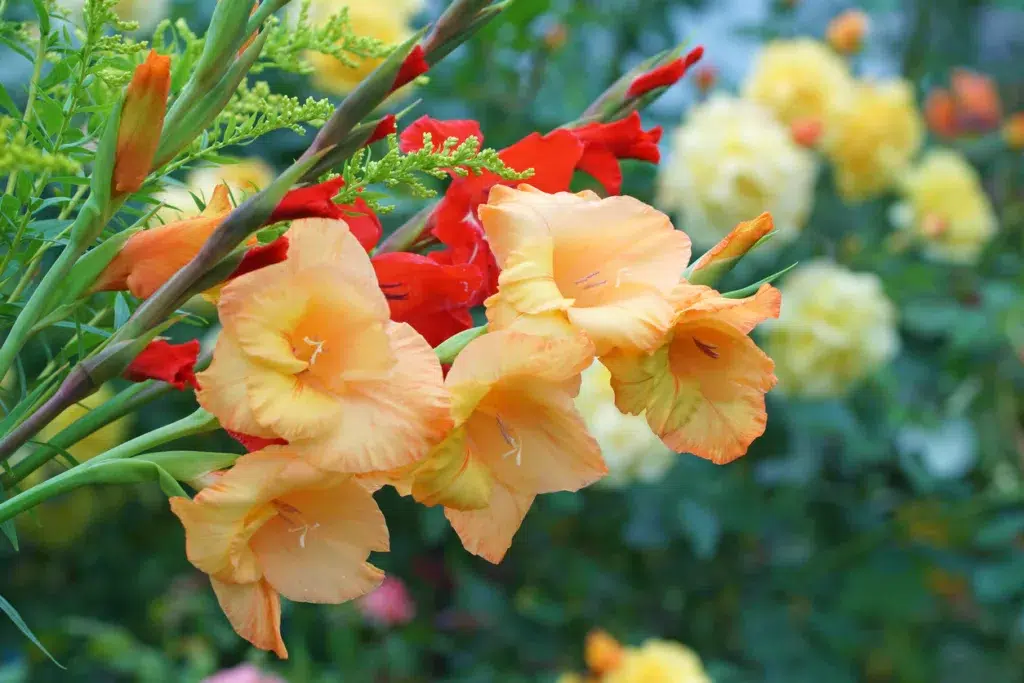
243 178
800 79
732 161
385 20
836 327
659 661
946 207
630 449
873 140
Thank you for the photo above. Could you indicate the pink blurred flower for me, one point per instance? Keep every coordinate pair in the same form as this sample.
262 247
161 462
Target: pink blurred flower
389 605
243 673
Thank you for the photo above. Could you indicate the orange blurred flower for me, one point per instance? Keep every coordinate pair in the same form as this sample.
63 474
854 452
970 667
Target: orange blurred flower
845 33
706 77
807 132
517 434
1013 131
149 258
703 388
971 105
601 652
308 354
275 525
142 121
601 266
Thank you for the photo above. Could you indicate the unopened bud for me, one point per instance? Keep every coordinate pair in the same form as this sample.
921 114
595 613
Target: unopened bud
705 78
555 37
806 131
940 113
142 121
978 104
710 268
846 32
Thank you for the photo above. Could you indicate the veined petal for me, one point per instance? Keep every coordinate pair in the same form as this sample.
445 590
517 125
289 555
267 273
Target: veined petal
637 322
744 315
215 541
452 476
527 283
488 532
254 610
387 423
223 392
315 549
291 406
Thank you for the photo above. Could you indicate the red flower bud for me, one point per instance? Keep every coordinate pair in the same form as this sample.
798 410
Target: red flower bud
262 256
414 66
664 75
166 362
386 127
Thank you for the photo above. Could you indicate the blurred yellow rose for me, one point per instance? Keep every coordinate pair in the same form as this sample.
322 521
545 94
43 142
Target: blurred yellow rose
386 20
659 661
61 520
872 140
631 450
244 178
799 80
836 327
730 161
946 208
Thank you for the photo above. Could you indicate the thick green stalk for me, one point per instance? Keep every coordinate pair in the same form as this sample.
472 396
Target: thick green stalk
199 422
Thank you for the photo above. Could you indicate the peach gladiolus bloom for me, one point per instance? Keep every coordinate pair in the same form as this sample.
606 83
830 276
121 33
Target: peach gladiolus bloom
275 525
517 434
142 121
602 266
308 354
149 258
704 388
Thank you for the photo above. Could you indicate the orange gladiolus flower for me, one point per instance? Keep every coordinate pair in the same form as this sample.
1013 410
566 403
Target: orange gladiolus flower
275 525
940 113
602 266
517 434
149 258
308 354
142 121
978 101
704 388
1013 131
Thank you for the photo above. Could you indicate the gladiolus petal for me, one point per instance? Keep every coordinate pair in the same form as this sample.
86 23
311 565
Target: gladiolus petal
166 362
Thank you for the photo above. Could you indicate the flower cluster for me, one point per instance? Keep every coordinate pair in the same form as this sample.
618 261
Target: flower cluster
336 396
655 661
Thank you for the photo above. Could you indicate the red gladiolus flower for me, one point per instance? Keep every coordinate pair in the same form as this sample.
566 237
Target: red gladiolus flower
432 295
254 443
166 362
386 127
317 201
411 139
664 75
414 66
605 143
262 256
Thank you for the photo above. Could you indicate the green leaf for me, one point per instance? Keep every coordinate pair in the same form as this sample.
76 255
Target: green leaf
121 311
7 102
752 289
12 613
189 465
8 526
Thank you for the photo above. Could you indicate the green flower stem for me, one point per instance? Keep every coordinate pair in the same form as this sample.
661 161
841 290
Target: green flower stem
450 348
408 234
197 423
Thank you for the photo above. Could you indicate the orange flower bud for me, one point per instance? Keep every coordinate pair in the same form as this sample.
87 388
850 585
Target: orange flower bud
723 256
555 37
142 120
940 113
806 131
706 77
602 652
846 32
977 98
1013 131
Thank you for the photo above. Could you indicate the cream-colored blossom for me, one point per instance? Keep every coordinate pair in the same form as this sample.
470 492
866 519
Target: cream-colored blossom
733 160
836 327
946 208
872 141
243 178
631 450
799 80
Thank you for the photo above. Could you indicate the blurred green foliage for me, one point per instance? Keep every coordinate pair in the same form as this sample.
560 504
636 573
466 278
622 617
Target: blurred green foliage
836 550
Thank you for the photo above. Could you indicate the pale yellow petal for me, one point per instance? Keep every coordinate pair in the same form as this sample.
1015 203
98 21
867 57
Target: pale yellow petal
639 321
290 406
222 389
452 476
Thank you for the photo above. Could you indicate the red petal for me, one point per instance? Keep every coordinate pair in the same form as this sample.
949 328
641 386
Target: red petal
386 127
254 443
603 166
418 284
664 75
171 363
415 65
262 256
315 201
606 143
553 158
363 223
437 327
411 139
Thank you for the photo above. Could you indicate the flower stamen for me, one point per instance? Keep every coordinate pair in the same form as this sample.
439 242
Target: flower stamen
318 347
514 447
709 350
